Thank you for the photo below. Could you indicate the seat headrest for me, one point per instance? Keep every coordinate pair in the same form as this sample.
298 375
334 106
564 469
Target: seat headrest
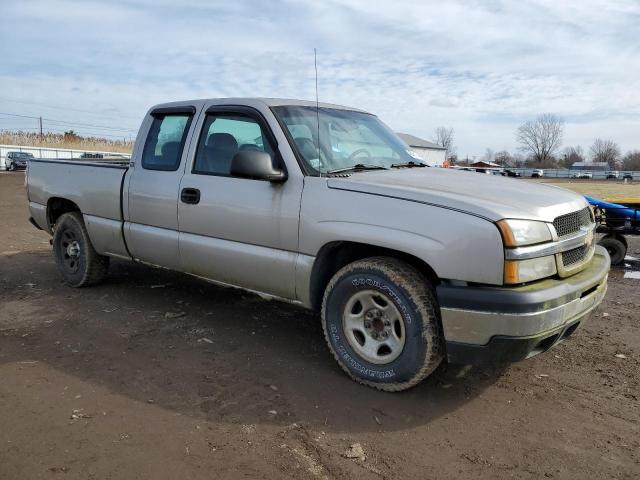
222 140
170 149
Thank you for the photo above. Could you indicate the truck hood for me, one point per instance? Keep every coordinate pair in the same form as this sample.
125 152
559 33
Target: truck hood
489 196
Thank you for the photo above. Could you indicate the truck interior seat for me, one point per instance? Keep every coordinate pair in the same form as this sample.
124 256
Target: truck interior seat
218 152
169 152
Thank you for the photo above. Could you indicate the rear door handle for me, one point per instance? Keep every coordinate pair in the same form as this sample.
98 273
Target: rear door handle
190 195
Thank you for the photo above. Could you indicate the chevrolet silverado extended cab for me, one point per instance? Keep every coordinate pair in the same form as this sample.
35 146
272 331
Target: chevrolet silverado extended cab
324 206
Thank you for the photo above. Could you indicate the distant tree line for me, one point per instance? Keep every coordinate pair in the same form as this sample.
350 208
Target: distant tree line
540 140
540 143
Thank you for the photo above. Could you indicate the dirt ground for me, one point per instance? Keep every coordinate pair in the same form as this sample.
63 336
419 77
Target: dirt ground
157 375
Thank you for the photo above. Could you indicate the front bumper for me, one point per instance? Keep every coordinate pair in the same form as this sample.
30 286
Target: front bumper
497 324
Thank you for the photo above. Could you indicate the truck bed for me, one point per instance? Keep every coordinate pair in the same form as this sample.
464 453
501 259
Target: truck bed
94 186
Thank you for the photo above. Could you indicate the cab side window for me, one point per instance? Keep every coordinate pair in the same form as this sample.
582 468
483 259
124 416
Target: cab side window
224 135
165 141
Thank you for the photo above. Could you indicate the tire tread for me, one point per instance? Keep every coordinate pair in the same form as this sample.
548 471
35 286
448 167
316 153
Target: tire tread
97 265
421 293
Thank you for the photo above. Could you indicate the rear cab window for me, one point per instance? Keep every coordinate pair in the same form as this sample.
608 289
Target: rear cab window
165 141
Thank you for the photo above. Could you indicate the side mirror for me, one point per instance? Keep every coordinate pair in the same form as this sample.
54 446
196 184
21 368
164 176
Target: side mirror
256 165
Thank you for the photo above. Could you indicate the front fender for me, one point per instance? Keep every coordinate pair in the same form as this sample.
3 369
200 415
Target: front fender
456 245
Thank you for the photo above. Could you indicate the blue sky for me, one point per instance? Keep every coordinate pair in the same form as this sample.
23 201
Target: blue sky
481 67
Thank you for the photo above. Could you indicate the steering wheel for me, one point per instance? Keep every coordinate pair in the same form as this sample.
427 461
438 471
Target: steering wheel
359 151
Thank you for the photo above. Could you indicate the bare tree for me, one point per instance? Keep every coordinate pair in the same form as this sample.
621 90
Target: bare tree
541 137
444 138
605 151
572 155
503 158
631 160
518 160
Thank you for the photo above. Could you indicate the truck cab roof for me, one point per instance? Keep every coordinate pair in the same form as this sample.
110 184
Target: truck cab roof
255 102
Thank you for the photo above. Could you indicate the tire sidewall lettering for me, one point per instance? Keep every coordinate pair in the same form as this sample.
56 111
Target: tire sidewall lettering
402 368
353 362
364 282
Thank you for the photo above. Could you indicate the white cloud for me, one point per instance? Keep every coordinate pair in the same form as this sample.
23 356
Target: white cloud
481 67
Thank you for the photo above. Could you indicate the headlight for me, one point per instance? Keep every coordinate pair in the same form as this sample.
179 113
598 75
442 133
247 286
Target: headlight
521 271
516 233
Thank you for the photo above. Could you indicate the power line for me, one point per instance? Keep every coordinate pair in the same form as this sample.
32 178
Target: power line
114 129
76 124
57 107
16 115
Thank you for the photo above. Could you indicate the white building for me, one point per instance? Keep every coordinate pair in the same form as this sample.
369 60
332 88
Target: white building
432 153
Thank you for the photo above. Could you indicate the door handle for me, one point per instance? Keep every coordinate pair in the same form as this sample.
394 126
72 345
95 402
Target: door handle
190 195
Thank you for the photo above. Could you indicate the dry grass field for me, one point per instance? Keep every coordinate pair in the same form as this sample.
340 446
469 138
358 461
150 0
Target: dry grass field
58 140
596 188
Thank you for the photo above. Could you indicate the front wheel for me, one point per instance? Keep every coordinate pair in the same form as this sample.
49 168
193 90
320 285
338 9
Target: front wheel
381 321
75 256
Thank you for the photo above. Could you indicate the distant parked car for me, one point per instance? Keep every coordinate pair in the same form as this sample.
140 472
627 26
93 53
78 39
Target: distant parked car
511 173
627 176
483 170
582 174
88 155
537 173
613 174
17 160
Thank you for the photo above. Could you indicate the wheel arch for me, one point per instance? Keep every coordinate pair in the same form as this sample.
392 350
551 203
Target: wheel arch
336 254
57 206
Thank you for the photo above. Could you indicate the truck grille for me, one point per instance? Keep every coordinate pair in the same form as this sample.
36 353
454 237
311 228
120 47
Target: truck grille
575 255
571 222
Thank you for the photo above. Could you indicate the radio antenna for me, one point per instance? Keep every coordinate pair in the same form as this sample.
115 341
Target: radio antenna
315 65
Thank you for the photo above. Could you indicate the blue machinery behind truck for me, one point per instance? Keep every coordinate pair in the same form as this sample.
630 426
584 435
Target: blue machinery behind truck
615 221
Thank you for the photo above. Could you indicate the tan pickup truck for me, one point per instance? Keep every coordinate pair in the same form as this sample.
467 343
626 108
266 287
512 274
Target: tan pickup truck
324 206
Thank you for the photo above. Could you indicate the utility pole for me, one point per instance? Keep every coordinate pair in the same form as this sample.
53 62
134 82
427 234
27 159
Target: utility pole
40 127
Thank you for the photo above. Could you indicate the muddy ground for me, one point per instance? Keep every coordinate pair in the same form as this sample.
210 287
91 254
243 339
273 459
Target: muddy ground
157 375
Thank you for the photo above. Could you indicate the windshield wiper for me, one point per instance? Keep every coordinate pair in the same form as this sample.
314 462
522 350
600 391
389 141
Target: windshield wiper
357 167
409 164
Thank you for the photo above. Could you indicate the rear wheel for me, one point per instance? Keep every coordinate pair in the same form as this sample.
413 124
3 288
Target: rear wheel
617 249
381 321
75 256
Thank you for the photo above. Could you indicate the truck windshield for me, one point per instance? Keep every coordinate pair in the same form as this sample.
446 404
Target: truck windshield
329 139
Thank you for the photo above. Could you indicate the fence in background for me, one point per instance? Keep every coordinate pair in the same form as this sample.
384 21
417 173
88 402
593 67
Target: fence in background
564 173
52 153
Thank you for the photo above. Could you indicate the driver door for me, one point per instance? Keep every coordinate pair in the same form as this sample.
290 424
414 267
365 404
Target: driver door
238 231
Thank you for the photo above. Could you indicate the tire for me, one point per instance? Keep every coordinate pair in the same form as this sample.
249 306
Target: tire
414 339
75 256
616 248
11 168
